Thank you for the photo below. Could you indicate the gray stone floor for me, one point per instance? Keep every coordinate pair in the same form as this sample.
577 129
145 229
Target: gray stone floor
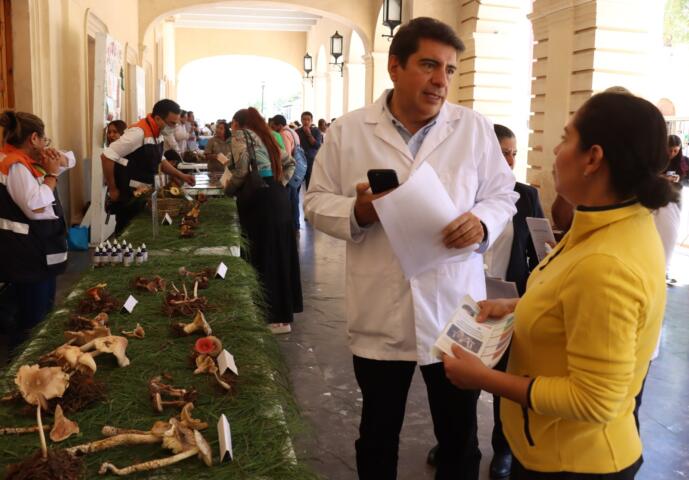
322 377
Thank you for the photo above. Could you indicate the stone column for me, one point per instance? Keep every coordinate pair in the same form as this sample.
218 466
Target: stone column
581 47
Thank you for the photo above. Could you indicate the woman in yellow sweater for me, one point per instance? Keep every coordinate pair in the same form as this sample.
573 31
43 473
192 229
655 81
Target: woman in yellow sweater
589 320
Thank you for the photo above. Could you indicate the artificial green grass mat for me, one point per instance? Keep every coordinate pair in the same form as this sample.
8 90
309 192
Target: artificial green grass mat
218 228
261 409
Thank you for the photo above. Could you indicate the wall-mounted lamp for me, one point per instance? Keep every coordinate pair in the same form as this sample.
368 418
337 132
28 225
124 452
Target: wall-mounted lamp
392 15
308 66
336 51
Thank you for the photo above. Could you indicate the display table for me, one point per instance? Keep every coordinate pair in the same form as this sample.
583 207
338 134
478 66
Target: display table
260 408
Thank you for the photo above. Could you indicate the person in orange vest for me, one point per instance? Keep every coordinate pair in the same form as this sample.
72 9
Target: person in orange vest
132 160
32 226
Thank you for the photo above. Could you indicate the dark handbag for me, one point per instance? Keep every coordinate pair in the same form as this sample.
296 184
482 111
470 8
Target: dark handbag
253 182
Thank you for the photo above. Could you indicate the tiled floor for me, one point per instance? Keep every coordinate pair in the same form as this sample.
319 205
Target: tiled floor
324 384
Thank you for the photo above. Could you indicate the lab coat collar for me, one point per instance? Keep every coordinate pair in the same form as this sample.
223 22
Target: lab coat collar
446 122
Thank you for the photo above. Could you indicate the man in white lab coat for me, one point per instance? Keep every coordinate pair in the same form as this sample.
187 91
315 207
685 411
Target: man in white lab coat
393 322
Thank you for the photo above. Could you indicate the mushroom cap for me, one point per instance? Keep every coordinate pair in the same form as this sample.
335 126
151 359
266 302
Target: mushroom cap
200 322
204 449
38 385
75 358
209 345
63 427
101 318
178 438
115 345
159 428
188 421
94 292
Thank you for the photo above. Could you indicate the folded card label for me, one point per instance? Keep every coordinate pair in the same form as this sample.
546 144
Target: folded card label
226 361
225 439
130 304
167 219
221 271
234 251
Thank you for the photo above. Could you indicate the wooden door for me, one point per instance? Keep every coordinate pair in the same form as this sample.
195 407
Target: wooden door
6 76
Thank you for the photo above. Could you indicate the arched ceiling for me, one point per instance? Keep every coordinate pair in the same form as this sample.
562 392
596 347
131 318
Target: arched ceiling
247 18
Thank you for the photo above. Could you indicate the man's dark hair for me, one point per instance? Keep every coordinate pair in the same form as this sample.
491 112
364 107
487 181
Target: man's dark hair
631 132
502 131
307 114
164 107
406 41
279 120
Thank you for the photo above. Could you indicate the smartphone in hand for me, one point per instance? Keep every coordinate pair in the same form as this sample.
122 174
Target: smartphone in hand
382 180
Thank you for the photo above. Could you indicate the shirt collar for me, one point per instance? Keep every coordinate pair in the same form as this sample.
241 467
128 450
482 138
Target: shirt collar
406 134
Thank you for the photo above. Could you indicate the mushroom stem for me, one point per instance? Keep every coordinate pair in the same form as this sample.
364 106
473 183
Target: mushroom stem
110 442
18 430
150 465
222 383
110 431
41 433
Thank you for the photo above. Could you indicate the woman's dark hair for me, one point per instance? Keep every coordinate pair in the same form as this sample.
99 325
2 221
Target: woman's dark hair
674 141
17 127
164 107
502 131
228 132
251 119
406 41
119 125
632 134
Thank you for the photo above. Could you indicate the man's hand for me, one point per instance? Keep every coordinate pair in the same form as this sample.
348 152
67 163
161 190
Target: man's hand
464 370
363 207
189 179
114 193
51 160
464 231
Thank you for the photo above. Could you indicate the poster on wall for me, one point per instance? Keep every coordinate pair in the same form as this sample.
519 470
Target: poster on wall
114 79
108 89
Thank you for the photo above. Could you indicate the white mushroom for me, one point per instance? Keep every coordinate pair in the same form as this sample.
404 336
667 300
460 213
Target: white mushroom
110 344
206 364
85 336
183 443
73 358
190 422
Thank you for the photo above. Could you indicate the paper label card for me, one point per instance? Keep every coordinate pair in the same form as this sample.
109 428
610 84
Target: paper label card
130 304
226 361
234 251
223 159
167 219
225 439
541 234
221 271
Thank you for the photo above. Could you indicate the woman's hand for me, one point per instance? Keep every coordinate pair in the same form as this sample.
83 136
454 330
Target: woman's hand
465 370
496 308
51 160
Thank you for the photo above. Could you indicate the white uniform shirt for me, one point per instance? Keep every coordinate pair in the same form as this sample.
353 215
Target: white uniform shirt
29 193
389 317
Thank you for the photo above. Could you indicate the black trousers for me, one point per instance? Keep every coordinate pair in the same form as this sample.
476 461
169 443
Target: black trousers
521 473
384 386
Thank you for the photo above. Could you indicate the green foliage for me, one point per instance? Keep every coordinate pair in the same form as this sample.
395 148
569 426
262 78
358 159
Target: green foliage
261 435
676 22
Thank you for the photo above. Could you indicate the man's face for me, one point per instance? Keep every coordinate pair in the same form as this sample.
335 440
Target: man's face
306 120
171 120
421 86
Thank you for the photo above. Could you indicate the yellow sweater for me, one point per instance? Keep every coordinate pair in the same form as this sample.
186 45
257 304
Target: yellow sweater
585 331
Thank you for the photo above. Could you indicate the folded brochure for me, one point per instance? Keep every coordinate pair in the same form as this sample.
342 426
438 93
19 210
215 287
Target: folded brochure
487 341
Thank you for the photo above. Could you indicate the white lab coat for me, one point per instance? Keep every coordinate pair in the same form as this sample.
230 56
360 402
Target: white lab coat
388 317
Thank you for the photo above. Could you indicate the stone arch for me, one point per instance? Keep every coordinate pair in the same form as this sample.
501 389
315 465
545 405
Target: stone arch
356 15
321 107
355 74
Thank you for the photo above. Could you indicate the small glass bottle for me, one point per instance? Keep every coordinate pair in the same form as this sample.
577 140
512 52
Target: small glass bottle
127 258
139 258
144 251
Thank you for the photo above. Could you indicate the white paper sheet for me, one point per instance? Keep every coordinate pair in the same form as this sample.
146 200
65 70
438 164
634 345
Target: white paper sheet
499 288
413 217
221 271
541 232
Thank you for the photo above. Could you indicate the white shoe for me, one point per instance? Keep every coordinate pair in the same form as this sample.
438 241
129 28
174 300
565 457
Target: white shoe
280 328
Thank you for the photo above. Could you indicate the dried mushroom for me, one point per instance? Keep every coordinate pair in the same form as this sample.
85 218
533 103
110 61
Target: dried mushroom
63 427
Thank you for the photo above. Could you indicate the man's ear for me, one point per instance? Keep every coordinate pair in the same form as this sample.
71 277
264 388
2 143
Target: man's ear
393 67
